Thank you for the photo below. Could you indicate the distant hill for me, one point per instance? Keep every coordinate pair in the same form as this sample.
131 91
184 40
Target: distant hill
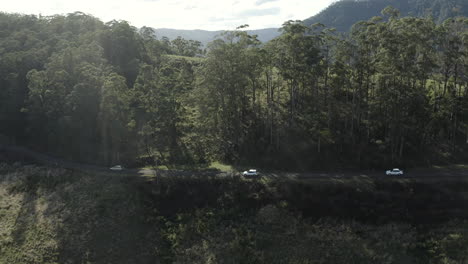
205 36
343 14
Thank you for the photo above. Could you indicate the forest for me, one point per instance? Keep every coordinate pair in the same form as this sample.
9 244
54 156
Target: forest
391 92
343 14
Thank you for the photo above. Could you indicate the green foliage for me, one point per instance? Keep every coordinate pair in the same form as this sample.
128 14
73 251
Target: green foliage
227 93
343 14
393 91
51 215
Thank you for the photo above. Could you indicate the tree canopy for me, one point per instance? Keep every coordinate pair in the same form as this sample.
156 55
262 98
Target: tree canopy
393 91
343 14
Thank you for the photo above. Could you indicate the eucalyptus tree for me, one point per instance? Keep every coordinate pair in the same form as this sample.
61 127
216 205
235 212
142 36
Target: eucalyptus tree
228 89
116 126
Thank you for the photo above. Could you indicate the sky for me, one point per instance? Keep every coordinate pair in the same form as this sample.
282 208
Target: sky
178 14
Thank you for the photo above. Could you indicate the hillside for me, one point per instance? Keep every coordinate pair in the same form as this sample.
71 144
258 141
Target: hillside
107 94
52 215
343 14
205 36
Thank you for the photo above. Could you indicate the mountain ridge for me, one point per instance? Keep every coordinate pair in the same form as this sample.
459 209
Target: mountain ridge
345 13
206 36
340 15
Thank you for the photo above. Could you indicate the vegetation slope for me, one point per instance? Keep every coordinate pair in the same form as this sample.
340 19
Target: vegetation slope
391 93
52 215
345 13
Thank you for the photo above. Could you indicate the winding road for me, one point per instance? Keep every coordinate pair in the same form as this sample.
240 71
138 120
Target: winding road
11 152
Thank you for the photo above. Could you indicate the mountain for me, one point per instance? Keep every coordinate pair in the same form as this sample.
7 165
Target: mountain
205 36
342 15
345 13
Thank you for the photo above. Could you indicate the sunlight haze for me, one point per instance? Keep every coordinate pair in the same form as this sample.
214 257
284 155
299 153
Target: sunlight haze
205 14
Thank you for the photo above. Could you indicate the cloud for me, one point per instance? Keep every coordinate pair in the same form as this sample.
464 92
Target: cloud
178 14
190 7
261 2
260 12
221 19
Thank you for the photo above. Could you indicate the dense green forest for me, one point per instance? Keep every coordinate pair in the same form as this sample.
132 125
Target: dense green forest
393 91
344 13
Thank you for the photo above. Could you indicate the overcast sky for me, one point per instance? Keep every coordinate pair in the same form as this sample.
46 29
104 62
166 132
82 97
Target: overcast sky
178 14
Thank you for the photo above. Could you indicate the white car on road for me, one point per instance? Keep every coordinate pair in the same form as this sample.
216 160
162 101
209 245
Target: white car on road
250 172
116 168
394 171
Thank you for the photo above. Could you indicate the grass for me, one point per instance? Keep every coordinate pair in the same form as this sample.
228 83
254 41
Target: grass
221 167
451 166
160 167
216 165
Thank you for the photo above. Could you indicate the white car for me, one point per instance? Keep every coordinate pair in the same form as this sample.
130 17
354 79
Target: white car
116 168
394 171
250 172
